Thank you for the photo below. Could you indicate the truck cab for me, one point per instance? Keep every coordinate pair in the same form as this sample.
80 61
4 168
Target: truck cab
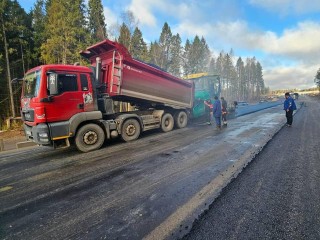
54 98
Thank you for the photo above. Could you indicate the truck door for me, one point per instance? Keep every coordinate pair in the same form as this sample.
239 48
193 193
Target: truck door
69 100
87 92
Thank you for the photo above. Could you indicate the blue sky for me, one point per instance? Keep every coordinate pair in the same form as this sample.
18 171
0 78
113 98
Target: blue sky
282 34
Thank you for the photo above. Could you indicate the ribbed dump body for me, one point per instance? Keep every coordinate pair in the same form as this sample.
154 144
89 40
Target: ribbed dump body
126 78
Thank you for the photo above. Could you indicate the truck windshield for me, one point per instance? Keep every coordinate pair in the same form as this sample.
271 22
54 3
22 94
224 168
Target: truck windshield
31 84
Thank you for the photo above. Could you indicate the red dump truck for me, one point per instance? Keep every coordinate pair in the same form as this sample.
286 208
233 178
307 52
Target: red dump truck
117 96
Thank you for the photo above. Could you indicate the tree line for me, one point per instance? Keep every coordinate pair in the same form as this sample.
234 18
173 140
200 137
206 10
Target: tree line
317 79
55 31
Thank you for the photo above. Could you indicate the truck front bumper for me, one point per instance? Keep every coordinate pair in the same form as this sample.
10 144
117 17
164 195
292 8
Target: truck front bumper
39 134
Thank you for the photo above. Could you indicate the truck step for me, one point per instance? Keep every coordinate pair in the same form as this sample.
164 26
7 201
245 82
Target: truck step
149 127
150 120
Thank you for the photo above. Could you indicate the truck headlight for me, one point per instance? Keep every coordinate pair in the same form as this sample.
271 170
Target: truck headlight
43 135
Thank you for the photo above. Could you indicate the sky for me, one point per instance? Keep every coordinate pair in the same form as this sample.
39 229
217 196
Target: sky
283 35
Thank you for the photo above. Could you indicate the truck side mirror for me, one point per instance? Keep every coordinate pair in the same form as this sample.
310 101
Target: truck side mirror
53 83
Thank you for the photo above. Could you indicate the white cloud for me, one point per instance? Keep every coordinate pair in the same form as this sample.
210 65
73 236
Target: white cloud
189 29
288 7
299 43
291 58
112 23
301 76
198 11
142 9
110 17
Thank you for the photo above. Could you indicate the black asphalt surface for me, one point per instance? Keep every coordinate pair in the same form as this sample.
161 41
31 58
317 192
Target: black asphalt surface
277 196
151 188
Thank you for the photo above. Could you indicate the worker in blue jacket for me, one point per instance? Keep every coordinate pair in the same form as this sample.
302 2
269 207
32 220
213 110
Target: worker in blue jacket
217 112
289 106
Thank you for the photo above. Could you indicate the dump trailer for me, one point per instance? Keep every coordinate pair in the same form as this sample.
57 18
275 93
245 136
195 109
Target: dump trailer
116 96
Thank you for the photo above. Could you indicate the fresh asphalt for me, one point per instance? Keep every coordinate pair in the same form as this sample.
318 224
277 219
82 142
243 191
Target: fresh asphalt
277 194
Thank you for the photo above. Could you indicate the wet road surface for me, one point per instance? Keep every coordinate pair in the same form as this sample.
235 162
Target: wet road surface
277 195
152 188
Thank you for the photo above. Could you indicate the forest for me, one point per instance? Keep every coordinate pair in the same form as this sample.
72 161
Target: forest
55 31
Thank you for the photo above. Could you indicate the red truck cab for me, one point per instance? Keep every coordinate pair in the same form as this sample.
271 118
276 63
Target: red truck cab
54 95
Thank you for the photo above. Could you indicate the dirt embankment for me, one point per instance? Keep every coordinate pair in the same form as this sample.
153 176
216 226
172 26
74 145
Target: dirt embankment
9 139
11 134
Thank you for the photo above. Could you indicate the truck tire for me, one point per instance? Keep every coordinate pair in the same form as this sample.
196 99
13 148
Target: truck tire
167 122
130 130
181 119
89 137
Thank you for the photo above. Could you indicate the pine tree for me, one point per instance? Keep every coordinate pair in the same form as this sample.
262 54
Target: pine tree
125 36
198 56
228 73
253 82
176 51
212 66
165 46
260 82
196 52
205 55
97 26
66 32
186 65
220 65
154 53
250 74
241 86
38 24
139 48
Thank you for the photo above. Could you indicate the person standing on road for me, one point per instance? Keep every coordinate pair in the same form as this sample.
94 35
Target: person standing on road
217 112
224 106
289 106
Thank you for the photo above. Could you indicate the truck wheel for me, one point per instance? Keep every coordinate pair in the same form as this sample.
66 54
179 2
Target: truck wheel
130 130
167 122
89 137
181 119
